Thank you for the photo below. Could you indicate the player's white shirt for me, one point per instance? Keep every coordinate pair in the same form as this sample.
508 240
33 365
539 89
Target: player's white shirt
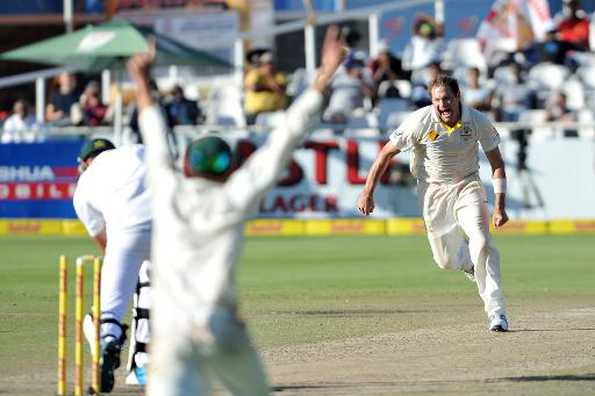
199 224
441 154
111 193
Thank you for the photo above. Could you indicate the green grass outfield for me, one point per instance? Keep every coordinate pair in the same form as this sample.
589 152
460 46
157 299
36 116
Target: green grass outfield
309 302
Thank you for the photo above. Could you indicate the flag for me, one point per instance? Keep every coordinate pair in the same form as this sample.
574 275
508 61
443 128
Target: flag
538 15
514 24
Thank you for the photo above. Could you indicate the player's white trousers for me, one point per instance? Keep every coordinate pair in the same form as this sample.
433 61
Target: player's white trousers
124 255
185 359
457 221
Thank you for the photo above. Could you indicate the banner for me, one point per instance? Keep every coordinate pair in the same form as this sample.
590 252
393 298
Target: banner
151 5
37 180
298 5
332 176
326 176
324 179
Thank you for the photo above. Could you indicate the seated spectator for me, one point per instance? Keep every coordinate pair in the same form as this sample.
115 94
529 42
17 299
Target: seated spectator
386 67
93 111
265 88
21 125
572 25
514 97
556 109
182 111
420 94
426 45
474 94
61 101
553 49
349 89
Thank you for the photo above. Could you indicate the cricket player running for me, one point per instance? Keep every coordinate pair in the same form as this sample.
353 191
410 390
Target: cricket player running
115 207
443 141
198 237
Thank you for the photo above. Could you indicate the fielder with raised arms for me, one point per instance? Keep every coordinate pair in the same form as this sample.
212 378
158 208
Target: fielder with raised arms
443 139
198 235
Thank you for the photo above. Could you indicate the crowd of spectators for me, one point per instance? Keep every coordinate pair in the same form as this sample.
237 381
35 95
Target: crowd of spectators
67 106
503 85
536 76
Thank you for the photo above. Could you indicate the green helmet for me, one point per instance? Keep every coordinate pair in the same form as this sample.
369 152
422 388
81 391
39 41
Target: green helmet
209 156
92 148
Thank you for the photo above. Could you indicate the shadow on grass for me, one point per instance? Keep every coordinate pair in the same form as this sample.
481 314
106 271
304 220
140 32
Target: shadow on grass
546 378
432 383
552 330
352 312
281 388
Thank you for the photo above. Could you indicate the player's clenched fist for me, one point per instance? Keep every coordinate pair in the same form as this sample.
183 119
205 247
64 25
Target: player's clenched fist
499 218
365 203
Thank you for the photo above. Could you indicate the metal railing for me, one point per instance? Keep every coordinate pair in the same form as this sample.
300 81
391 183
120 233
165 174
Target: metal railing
187 132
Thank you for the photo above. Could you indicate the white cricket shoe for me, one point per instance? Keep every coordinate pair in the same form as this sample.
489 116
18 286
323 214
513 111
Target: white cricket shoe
137 376
498 323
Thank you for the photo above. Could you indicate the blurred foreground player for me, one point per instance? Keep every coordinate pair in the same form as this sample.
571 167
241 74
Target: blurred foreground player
115 207
444 139
199 221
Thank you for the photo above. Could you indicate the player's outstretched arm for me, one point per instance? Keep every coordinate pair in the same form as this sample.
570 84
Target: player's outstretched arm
333 54
499 218
365 202
139 70
151 120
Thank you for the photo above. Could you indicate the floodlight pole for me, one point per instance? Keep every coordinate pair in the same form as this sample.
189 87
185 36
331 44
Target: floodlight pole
340 5
310 39
310 47
439 11
238 62
374 33
40 100
118 118
67 10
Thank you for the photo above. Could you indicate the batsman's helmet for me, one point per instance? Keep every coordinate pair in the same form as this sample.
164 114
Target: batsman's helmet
207 156
93 147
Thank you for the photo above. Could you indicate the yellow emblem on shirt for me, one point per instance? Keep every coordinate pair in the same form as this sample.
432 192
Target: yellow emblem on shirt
433 135
449 129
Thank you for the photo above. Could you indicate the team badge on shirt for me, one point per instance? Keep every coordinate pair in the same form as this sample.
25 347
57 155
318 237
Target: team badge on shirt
433 135
466 132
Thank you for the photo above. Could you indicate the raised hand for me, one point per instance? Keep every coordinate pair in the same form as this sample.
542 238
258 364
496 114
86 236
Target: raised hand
139 69
333 54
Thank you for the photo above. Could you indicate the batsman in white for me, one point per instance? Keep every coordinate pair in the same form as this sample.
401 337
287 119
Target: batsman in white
443 138
112 202
198 238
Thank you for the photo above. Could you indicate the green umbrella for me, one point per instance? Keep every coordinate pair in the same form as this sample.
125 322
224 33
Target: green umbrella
107 46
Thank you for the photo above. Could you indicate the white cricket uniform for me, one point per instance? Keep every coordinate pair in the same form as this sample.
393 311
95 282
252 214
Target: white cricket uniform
198 231
111 195
453 201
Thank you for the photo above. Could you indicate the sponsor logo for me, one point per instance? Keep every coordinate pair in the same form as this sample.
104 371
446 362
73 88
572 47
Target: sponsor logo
37 173
339 227
95 40
36 191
